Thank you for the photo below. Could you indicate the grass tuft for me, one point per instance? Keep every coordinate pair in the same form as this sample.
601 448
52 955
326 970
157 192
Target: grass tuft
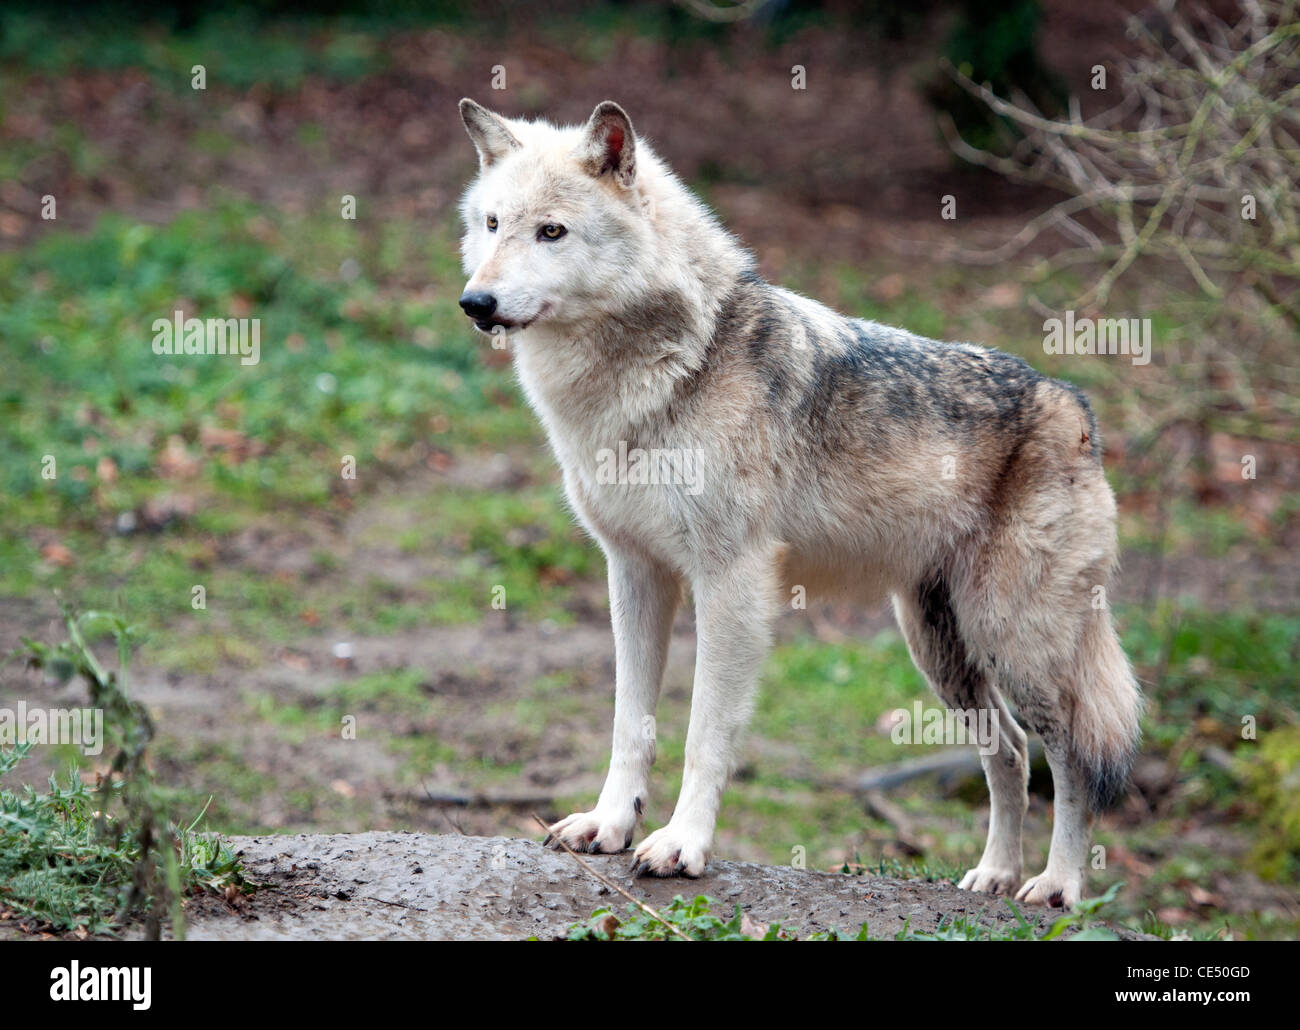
90 861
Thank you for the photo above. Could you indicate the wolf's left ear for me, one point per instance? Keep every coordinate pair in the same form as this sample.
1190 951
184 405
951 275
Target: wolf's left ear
608 144
489 133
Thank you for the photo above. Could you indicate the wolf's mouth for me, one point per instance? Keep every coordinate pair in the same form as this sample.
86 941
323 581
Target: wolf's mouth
489 325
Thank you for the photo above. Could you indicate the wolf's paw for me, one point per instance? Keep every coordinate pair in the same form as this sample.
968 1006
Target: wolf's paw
1049 888
596 832
671 852
990 879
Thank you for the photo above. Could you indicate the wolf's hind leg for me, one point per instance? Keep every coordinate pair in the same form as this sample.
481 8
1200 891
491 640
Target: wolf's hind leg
930 629
643 596
1061 883
1090 753
1006 768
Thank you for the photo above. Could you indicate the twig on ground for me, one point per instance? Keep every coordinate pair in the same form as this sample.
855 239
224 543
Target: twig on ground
964 762
904 829
610 883
478 798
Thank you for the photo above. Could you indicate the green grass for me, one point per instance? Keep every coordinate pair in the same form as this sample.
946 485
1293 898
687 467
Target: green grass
694 919
61 869
345 370
340 370
73 859
1215 668
286 54
823 700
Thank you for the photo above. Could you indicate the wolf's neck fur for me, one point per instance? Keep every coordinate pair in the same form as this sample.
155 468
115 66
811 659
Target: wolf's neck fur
624 365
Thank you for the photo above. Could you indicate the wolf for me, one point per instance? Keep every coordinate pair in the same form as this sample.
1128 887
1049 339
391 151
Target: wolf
835 455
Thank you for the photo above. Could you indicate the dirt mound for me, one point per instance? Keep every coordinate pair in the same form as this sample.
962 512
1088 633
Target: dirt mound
420 886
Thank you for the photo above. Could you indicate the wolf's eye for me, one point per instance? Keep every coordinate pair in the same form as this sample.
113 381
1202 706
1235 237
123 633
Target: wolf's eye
492 223
551 231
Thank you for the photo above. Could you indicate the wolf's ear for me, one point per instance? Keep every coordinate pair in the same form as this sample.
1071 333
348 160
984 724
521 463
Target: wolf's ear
491 137
609 145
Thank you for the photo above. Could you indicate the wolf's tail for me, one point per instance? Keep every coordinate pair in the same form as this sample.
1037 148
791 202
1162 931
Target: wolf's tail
1105 729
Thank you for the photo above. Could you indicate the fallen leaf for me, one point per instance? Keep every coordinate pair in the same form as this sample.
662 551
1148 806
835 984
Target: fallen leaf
608 924
175 461
1201 896
161 511
57 554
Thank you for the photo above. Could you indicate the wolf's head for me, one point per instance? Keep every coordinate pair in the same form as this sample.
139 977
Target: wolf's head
555 223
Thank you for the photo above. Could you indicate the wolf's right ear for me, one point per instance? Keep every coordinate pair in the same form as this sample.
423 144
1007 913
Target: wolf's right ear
609 144
488 132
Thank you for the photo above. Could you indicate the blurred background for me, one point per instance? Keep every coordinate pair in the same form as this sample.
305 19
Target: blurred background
327 596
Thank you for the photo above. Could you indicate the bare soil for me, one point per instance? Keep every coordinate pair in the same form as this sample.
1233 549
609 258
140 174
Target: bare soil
409 886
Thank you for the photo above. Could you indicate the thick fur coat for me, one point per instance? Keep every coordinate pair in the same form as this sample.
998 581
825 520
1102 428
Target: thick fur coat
826 454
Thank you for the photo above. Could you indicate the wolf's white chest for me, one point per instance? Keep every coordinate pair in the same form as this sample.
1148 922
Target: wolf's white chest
632 484
650 495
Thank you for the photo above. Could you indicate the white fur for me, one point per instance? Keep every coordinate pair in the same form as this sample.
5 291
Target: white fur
769 517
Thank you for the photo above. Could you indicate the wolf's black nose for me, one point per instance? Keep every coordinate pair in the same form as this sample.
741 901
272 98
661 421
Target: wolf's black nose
479 306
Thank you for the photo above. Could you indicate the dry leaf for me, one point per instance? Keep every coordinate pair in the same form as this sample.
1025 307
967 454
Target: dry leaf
608 924
57 554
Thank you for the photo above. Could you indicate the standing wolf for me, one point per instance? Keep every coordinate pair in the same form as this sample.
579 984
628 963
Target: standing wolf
827 453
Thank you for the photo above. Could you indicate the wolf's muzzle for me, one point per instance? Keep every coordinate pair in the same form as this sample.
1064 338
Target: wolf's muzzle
479 306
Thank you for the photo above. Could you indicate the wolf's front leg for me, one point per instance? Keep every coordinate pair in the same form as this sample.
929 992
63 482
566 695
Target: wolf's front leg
733 616
643 595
